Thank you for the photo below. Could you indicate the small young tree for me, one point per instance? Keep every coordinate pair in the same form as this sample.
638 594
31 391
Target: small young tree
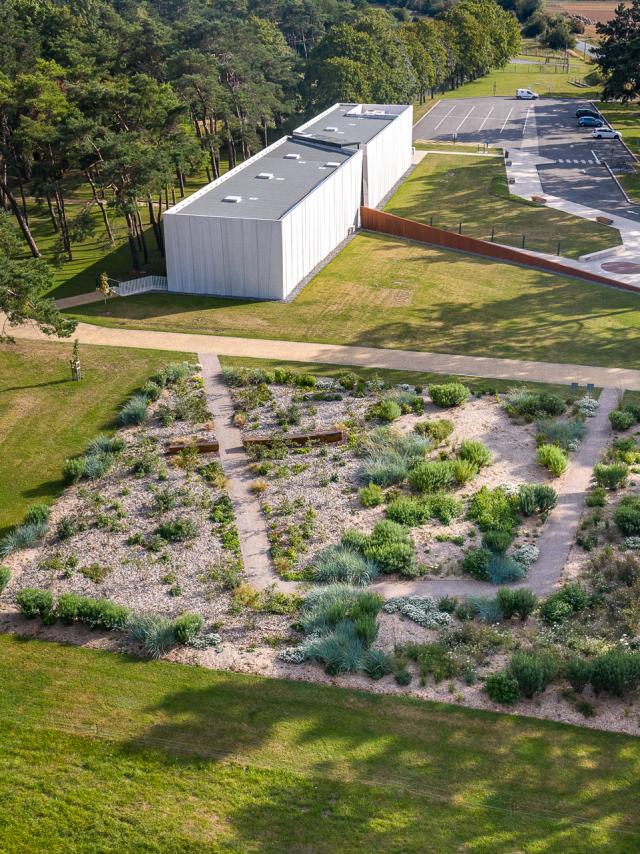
104 287
74 361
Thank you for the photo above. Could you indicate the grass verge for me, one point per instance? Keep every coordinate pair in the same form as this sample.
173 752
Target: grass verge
389 292
102 752
45 417
445 190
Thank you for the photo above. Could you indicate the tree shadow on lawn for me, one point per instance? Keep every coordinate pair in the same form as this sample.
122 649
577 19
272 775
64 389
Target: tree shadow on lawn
524 779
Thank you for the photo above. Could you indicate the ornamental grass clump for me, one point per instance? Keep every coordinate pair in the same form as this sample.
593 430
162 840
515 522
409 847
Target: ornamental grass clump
134 411
155 633
611 476
533 671
553 459
520 402
388 456
503 569
516 603
340 563
432 476
22 537
536 498
565 434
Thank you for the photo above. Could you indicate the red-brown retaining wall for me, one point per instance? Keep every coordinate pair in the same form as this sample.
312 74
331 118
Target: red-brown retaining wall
398 226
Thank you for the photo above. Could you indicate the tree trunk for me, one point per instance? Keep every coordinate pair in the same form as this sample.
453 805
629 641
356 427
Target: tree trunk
180 177
143 240
51 214
62 222
103 207
157 233
265 136
22 222
135 258
173 195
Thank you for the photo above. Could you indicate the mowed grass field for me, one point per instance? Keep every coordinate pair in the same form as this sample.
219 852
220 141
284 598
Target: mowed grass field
389 292
545 78
101 752
626 119
446 190
45 417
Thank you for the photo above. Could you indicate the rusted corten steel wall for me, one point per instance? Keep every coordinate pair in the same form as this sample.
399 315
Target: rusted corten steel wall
386 223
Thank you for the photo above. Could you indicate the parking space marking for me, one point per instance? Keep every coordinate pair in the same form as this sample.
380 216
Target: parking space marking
464 119
526 119
595 157
506 120
485 119
445 117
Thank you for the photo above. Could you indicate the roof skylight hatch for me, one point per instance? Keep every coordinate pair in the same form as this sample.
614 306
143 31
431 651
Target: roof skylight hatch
232 199
265 176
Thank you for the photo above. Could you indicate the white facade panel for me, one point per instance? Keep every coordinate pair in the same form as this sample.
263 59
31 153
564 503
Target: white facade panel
320 222
387 157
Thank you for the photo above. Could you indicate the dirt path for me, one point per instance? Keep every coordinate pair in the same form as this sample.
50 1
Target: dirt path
336 354
252 530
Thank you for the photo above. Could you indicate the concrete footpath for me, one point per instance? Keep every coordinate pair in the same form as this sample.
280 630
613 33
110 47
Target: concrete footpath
336 354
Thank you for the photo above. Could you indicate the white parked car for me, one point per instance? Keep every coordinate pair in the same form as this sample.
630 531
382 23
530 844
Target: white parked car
606 133
526 95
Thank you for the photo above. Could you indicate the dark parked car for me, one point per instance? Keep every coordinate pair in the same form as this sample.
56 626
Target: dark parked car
587 111
590 122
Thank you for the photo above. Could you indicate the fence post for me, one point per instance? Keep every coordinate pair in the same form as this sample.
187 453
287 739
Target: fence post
460 228
431 221
558 251
523 236
493 231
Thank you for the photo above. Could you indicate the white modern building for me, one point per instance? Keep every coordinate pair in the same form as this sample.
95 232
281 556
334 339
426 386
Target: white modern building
261 228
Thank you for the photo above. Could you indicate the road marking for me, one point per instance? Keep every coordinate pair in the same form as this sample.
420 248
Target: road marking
445 117
595 157
464 119
560 160
526 119
506 120
583 161
485 118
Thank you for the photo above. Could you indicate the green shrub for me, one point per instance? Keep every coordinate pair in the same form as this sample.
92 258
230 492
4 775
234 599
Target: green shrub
504 569
97 465
536 498
34 603
326 607
388 456
177 531
172 373
151 390
611 476
437 429
366 626
449 394
22 537
384 410
493 509
502 688
104 444
134 411
375 663
621 419
371 495
463 471
575 595
391 548
564 603
616 672
37 514
110 616
354 539
73 470
444 508
432 476
516 603
342 564
596 498
532 671
497 541
68 607
474 452
186 627
408 511
627 516
154 632
476 564
403 677
578 673
553 459
5 577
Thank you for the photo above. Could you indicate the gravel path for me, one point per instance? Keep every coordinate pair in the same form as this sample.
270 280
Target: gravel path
336 354
252 530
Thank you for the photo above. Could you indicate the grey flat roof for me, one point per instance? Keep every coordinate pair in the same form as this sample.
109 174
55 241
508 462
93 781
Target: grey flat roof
354 129
269 199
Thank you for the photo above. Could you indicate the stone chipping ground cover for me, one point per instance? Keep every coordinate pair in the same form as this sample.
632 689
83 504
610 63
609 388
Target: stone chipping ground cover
324 479
118 515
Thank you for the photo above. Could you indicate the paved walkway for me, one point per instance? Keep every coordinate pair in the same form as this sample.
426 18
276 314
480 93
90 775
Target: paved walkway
336 354
250 521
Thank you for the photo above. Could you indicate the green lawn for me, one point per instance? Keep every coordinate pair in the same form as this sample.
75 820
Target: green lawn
626 119
393 377
105 753
45 417
544 79
388 292
448 189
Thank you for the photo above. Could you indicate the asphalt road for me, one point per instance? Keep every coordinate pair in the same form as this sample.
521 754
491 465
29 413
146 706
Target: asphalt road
547 126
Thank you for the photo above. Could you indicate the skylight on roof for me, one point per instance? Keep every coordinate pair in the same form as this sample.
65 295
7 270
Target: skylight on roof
232 199
331 129
331 163
292 156
265 176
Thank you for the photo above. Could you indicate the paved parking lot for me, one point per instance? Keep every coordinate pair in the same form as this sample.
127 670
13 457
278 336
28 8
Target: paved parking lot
546 127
